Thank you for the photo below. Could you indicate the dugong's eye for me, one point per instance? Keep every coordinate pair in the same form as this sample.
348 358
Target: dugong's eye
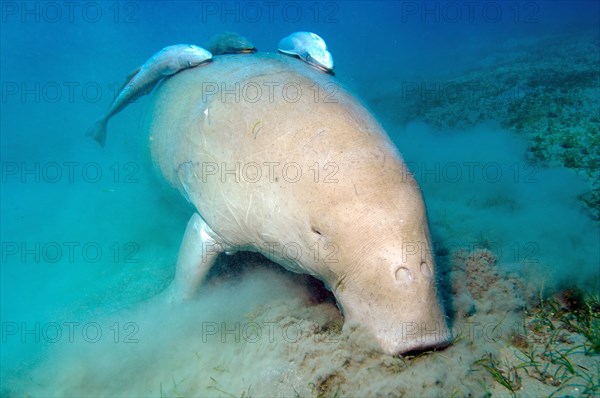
316 230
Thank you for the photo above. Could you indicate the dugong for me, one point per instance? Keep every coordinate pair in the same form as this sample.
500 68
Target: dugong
279 159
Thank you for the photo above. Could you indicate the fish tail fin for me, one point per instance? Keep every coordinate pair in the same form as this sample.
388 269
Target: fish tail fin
98 130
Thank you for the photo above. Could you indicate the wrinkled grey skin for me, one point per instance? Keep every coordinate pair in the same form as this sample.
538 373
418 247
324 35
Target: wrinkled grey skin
355 217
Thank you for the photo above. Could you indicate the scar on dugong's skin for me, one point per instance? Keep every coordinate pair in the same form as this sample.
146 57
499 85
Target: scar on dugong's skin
166 62
315 172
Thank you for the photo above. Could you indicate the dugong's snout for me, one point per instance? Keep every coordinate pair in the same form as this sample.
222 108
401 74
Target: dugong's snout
416 337
398 303
403 333
400 324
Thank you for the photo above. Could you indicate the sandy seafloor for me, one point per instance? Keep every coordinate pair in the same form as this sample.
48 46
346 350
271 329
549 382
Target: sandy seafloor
517 254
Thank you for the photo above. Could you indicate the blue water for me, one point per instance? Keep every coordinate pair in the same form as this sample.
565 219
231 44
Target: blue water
88 232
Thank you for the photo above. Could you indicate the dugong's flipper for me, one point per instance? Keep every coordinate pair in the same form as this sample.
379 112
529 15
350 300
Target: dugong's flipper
198 252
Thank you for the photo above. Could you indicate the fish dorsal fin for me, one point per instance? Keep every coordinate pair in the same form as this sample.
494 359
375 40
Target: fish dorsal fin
132 74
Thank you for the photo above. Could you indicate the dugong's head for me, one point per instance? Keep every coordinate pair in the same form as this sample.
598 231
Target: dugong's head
385 276
382 271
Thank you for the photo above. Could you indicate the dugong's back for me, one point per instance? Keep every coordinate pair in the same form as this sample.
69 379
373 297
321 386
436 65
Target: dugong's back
215 125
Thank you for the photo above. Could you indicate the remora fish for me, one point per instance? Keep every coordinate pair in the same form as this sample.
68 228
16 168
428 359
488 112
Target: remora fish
166 62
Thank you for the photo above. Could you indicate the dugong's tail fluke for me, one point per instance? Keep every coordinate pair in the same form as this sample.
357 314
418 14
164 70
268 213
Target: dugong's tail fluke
98 130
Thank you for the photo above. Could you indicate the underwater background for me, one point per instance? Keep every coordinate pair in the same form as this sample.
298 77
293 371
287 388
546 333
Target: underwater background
494 106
